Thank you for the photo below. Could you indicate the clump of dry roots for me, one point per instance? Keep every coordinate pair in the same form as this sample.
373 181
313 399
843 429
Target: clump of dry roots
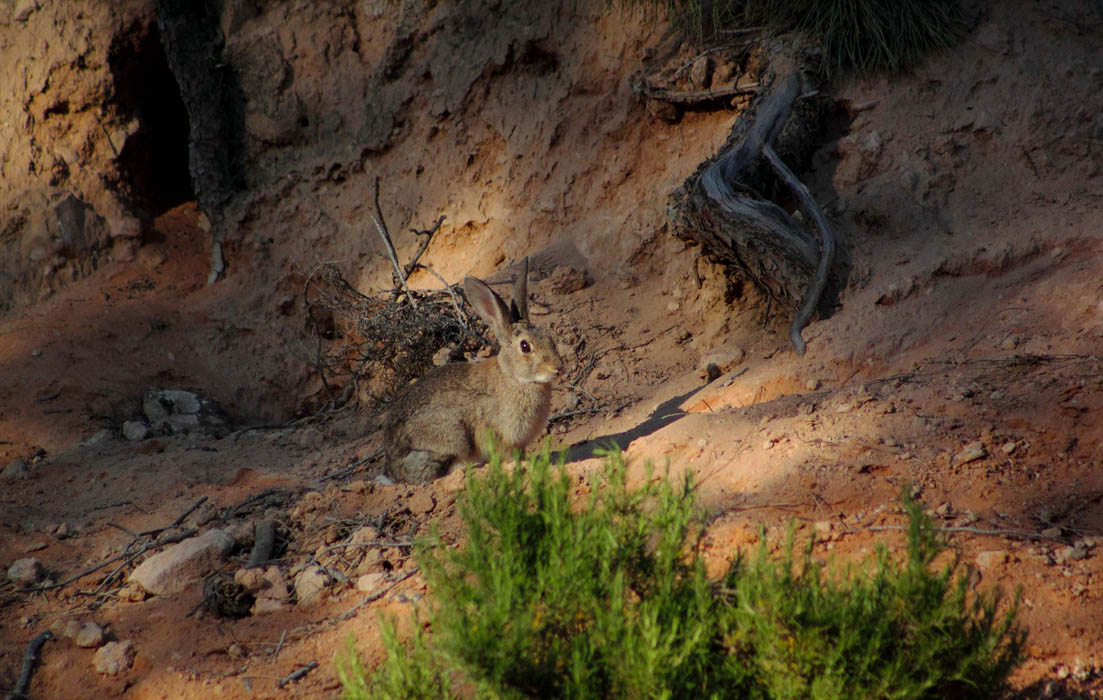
371 346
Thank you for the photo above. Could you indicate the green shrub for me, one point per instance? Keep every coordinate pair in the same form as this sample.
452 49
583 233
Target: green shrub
857 36
551 598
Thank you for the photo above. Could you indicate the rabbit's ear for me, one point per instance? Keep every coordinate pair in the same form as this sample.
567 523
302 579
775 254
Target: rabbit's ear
519 307
489 306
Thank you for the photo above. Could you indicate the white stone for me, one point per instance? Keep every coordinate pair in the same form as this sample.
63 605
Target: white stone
178 566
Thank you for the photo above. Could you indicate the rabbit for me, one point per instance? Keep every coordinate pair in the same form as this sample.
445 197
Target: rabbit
448 416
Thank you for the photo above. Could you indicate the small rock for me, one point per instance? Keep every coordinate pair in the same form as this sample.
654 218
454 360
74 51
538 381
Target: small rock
135 430
126 227
970 453
943 510
371 563
133 593
442 356
152 256
990 559
1010 343
267 605
1076 552
243 534
370 583
565 280
252 580
15 471
673 306
824 528
700 73
114 657
26 572
1010 447
720 361
365 535
812 384
1052 532
310 583
100 436
422 503
235 651
846 406
90 635
171 411
173 569
66 629
36 546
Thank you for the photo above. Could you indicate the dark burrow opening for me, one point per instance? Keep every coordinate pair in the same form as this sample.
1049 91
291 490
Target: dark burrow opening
153 162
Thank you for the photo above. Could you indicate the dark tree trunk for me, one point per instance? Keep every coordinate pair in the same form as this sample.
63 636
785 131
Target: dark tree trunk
730 205
192 39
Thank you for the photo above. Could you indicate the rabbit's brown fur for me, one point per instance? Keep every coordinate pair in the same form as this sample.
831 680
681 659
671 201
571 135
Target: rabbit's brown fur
450 415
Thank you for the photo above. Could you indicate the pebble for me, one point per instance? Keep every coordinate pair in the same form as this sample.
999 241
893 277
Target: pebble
990 559
1009 447
26 572
422 503
174 568
135 430
114 657
310 583
1076 552
720 361
90 636
370 583
970 453
364 535
812 384
15 471
673 306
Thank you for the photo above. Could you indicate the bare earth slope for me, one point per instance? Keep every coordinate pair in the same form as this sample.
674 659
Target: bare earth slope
965 359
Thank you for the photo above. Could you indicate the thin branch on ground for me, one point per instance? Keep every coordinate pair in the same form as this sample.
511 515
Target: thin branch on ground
30 658
378 452
296 675
1010 534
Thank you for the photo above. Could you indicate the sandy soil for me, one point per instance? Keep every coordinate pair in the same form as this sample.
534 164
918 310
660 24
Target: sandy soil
969 199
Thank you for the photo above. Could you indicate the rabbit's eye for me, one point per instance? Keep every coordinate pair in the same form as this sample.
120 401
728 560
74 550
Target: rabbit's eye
525 348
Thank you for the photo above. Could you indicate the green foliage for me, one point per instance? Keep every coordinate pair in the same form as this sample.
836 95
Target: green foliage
551 598
411 673
900 632
857 36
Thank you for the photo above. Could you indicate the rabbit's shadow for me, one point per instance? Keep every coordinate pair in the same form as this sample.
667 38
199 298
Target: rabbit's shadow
664 414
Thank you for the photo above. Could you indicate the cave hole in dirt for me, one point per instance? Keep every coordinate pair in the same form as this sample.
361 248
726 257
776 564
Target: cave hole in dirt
153 162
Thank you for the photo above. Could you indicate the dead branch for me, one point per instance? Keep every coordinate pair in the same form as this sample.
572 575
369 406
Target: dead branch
1011 534
129 557
264 541
827 246
722 208
296 675
354 466
428 233
692 98
381 227
19 692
